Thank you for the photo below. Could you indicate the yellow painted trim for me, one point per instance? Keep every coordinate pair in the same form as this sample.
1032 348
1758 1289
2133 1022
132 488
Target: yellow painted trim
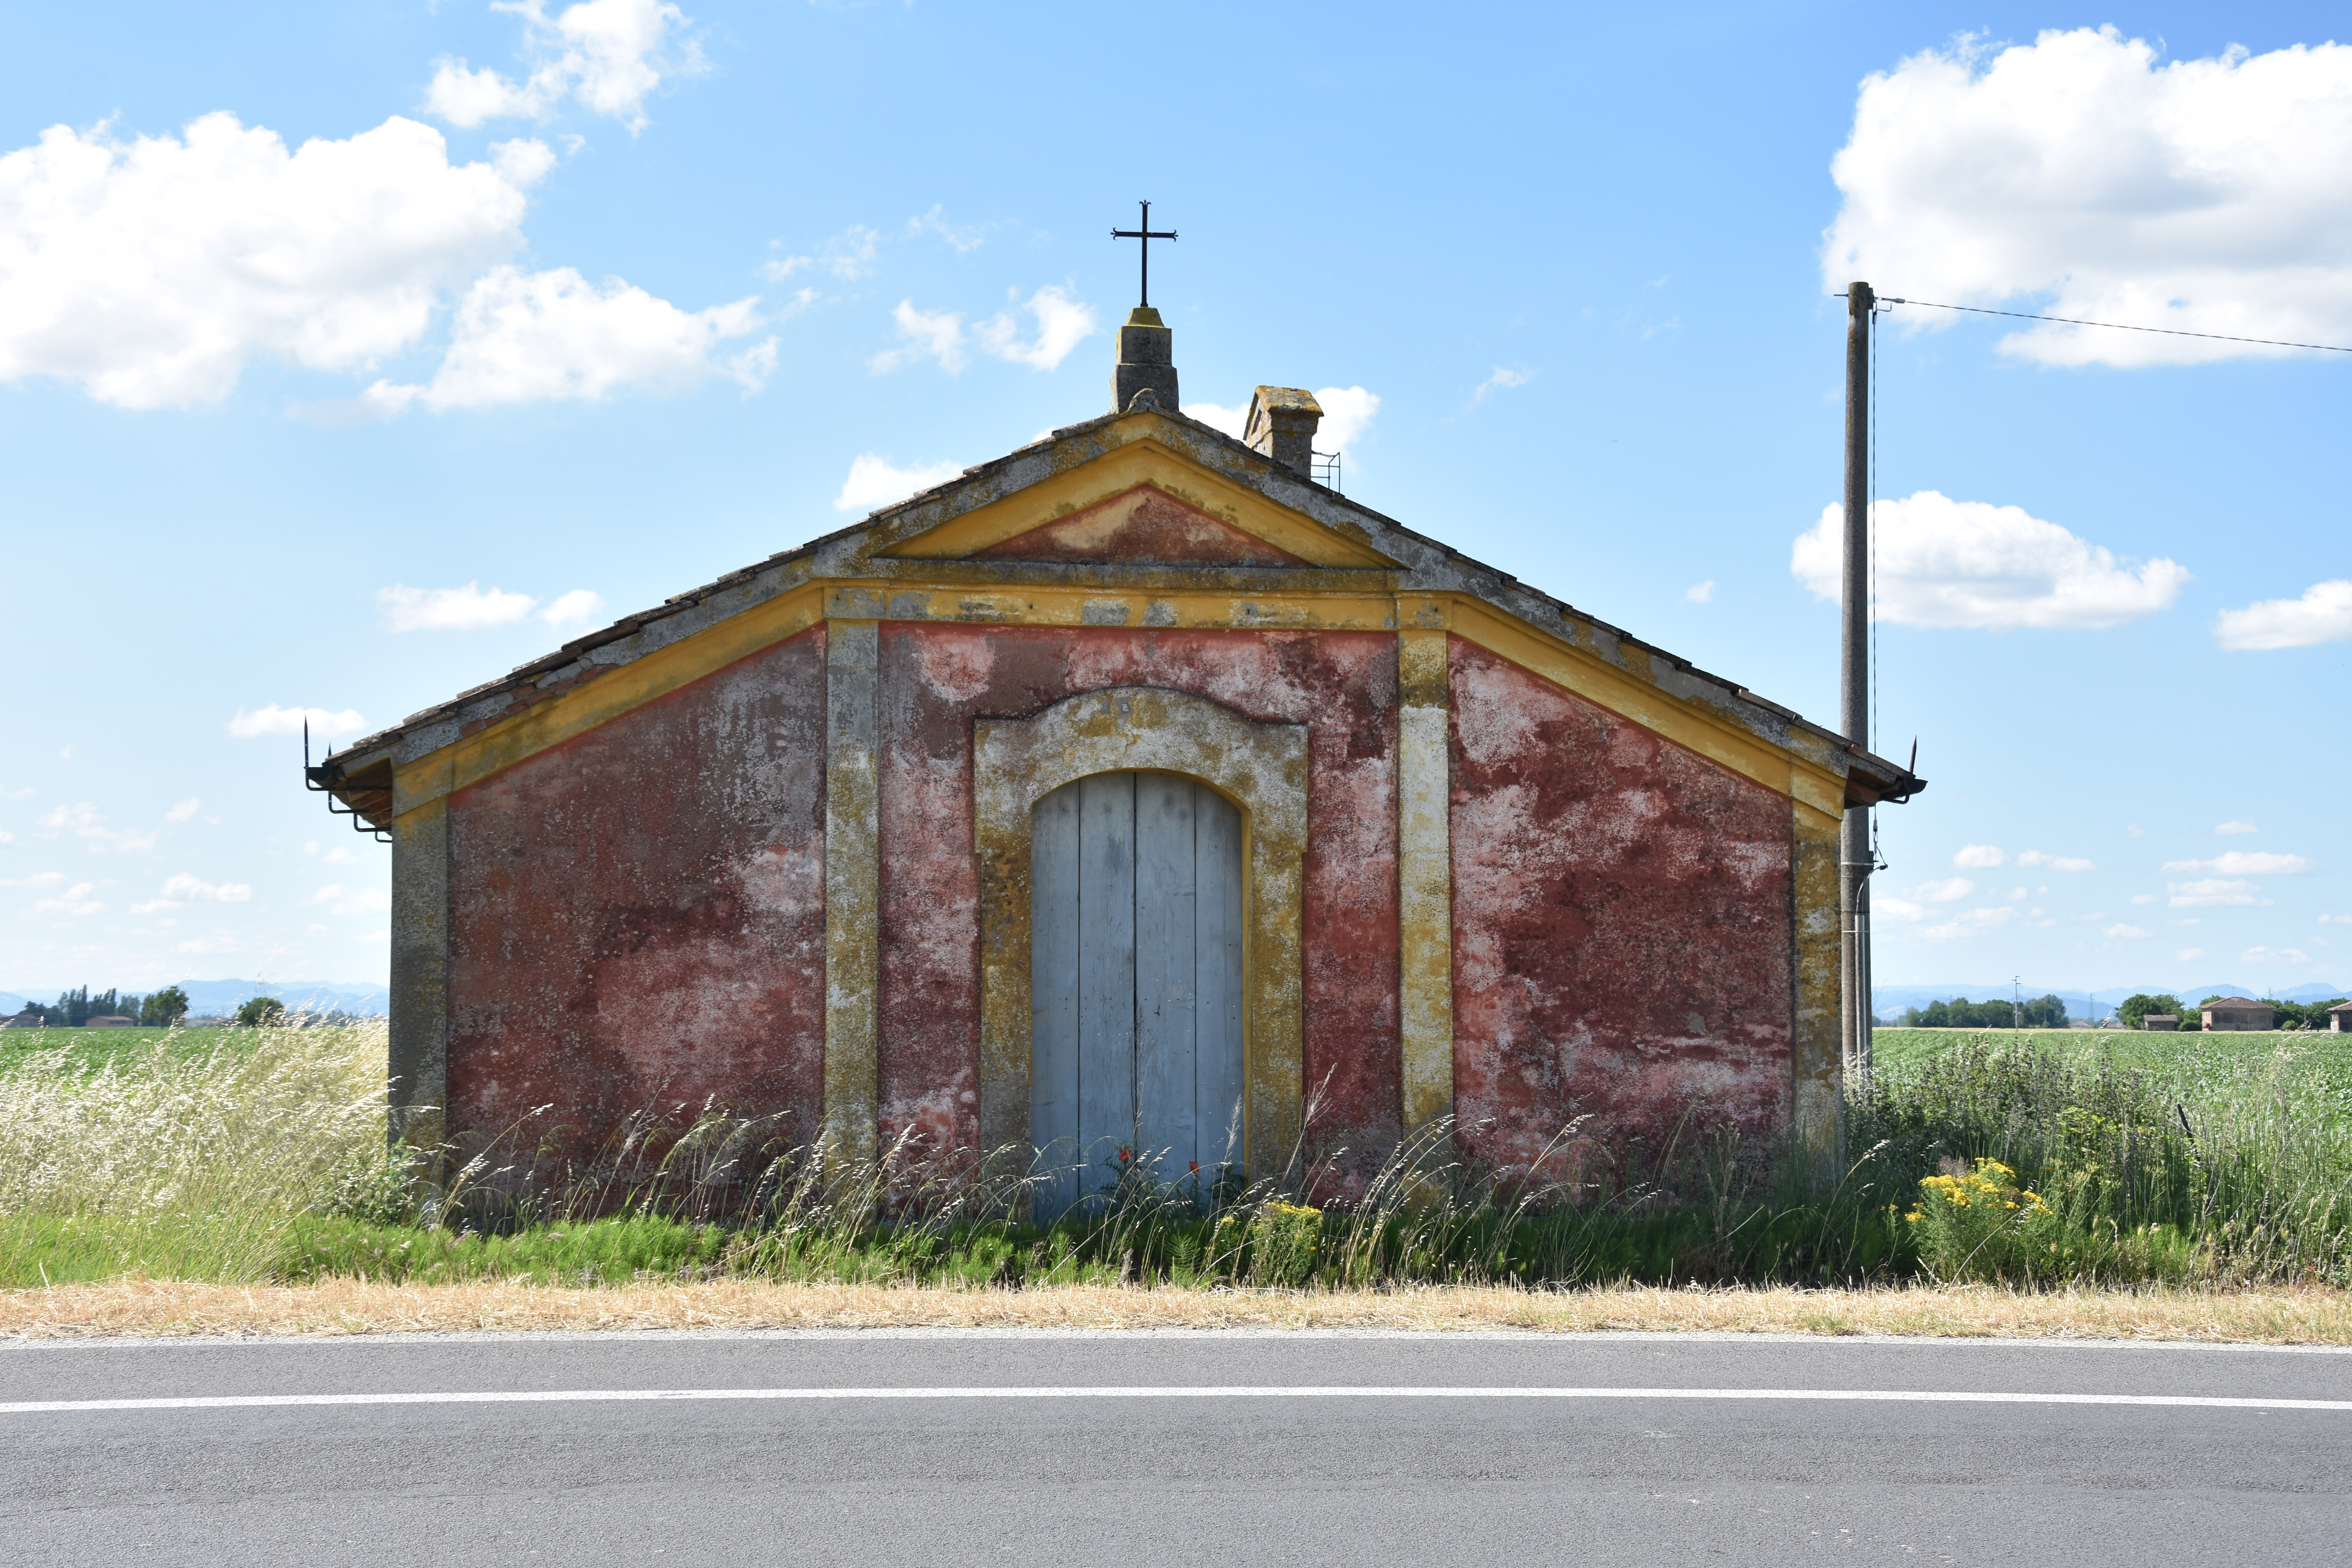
550 724
1140 462
1631 695
1627 692
1340 610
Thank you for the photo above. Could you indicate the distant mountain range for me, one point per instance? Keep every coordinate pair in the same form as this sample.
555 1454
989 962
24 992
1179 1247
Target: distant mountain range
208 998
1891 1000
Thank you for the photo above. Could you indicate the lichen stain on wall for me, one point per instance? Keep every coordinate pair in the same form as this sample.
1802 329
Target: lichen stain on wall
1621 921
935 679
637 915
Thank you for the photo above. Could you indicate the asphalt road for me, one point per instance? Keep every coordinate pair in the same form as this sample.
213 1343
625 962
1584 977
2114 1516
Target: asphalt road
1263 1459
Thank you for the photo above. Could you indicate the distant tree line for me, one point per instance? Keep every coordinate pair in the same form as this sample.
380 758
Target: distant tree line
159 1009
76 1007
2042 1013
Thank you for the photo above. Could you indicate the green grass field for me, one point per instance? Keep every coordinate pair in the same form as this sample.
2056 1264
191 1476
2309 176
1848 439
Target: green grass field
96 1046
2191 1056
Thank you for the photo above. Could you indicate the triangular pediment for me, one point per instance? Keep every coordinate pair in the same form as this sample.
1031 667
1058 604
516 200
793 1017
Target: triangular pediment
1143 527
1141 503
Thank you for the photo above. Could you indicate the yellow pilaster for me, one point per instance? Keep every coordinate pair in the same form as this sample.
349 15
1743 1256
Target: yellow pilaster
853 902
1424 878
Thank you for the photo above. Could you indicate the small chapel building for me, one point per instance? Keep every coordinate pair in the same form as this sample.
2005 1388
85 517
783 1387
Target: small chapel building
1130 790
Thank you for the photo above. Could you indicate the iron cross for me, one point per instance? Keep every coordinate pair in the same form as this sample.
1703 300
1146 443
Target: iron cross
1146 233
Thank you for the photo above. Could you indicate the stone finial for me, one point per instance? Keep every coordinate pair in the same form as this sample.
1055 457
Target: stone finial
1146 358
1282 421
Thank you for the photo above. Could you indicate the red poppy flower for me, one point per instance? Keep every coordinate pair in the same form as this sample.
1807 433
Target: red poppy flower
1196 1167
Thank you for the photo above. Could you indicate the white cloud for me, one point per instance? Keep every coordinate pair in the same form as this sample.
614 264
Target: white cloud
964 237
1347 413
57 879
1700 592
2123 931
465 609
343 900
1217 417
2213 893
467 98
73 903
1063 324
1945 563
2281 955
1975 922
524 337
2077 176
607 55
84 821
580 604
185 811
1896 909
1503 380
2245 863
149 272
1979 857
924 334
272 720
185 888
216 942
2145 899
2324 613
2055 862
2185 953
2134 830
2336 920
2231 829
1950 891
848 256
874 482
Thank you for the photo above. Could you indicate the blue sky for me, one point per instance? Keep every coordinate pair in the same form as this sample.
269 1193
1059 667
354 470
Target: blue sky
469 305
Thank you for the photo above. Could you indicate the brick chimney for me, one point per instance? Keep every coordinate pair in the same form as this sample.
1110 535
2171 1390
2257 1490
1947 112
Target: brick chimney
1282 421
1146 358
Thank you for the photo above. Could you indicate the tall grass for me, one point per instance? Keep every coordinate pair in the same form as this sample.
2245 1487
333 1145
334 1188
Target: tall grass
261 1156
2217 1165
191 1161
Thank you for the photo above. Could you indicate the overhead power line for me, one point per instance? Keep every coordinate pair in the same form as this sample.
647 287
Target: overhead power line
2114 326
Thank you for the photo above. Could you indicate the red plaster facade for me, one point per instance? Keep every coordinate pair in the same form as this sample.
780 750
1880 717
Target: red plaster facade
637 915
1622 936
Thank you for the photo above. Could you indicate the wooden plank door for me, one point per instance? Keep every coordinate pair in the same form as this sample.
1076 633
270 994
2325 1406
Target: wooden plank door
1135 982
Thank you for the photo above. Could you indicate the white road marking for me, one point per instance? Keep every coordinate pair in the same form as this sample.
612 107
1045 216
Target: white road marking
1199 1391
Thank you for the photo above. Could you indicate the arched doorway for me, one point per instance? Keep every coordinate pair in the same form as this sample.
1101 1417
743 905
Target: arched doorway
1136 983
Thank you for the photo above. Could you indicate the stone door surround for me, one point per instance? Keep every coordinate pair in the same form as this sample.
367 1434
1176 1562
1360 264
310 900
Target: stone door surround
1260 767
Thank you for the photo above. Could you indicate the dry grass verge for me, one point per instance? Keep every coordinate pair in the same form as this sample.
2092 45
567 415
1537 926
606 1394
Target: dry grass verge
2307 1316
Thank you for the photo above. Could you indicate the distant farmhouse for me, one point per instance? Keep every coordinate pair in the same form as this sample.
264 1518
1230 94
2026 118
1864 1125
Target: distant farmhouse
2339 1017
2239 1012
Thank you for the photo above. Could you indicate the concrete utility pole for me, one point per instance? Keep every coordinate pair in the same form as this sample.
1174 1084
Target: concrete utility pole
1853 686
